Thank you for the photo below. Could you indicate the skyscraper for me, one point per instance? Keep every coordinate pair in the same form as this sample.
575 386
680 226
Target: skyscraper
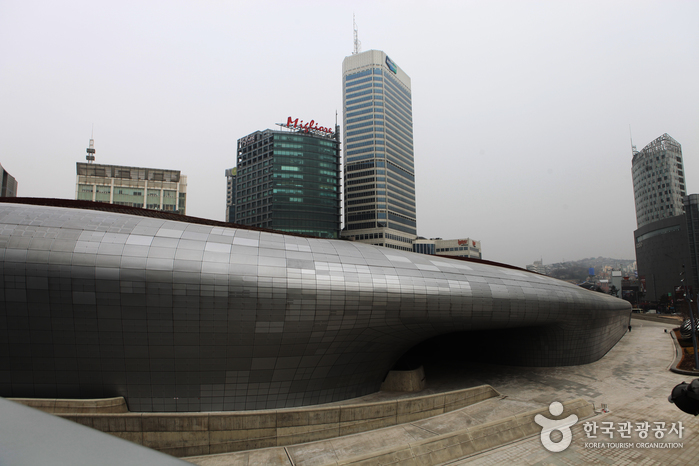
379 189
661 238
289 181
658 180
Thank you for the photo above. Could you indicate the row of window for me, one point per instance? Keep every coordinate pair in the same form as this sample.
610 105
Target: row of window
368 200
361 226
360 194
392 82
460 248
364 117
364 126
404 118
403 239
401 219
403 228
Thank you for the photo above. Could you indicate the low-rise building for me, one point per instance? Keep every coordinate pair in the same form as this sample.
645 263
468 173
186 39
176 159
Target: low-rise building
465 247
148 188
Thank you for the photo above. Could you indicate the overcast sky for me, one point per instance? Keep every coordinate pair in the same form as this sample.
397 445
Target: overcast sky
521 109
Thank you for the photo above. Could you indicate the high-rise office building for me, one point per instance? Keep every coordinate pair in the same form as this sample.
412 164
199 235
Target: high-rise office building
8 186
231 179
658 180
379 189
290 180
661 238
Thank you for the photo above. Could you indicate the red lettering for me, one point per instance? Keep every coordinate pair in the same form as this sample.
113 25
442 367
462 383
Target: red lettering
308 127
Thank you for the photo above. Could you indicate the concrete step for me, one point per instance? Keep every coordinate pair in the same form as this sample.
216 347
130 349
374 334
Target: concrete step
436 440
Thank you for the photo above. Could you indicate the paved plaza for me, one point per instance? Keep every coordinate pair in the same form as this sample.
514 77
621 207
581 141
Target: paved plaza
632 381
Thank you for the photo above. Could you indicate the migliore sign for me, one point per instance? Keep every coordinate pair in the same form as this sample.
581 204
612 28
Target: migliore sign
311 126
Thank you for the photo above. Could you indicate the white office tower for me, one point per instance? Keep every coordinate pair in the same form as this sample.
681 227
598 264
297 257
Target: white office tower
379 190
658 180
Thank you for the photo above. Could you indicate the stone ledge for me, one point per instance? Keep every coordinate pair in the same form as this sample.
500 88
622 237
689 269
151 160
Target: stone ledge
181 434
678 358
59 405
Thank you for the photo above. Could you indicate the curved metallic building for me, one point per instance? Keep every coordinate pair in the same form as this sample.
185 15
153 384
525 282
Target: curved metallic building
180 314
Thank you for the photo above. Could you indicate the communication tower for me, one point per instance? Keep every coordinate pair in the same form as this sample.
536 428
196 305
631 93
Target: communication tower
357 44
90 157
634 151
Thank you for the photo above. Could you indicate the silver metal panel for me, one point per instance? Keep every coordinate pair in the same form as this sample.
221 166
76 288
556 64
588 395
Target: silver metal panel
186 317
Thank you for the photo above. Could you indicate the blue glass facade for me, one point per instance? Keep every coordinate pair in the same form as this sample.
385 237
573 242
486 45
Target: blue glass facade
289 181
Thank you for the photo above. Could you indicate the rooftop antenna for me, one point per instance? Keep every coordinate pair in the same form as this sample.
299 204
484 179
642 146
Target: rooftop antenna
633 148
357 44
90 157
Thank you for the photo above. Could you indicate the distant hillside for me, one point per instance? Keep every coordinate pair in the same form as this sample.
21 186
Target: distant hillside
596 262
578 270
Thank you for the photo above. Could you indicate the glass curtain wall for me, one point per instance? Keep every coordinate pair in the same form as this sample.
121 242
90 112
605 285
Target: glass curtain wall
379 158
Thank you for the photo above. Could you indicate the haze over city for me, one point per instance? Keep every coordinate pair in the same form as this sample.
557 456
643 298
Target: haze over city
521 110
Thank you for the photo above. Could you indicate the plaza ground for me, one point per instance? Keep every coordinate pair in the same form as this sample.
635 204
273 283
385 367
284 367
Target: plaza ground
632 381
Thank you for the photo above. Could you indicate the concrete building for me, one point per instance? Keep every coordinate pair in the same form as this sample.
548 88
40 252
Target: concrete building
183 314
661 250
661 238
290 180
691 208
231 180
379 188
147 188
465 247
8 187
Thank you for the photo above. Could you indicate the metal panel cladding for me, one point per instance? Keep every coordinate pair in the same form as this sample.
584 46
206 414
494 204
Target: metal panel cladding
183 316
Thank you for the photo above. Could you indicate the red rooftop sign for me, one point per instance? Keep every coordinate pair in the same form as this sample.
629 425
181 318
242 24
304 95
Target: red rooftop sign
464 242
309 127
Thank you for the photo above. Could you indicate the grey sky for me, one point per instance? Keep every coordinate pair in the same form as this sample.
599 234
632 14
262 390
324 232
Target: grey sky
521 109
